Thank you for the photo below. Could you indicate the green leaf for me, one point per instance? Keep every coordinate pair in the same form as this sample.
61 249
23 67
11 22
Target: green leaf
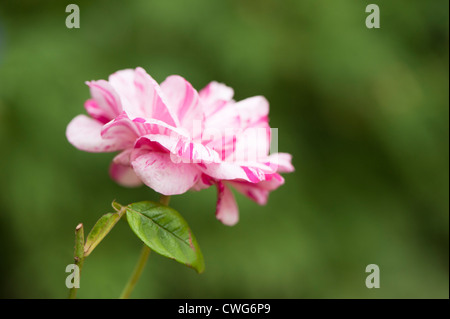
164 230
100 230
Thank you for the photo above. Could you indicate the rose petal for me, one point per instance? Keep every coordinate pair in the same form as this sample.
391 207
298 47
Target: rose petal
252 191
215 91
85 134
252 145
108 102
253 112
281 162
250 172
149 97
123 82
158 172
141 96
124 175
124 157
121 128
259 192
215 97
96 112
182 149
183 100
226 210
203 182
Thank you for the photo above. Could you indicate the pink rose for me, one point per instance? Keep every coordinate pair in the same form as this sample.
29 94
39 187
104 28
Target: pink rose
174 139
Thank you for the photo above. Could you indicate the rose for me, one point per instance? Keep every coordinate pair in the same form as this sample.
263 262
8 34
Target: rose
166 141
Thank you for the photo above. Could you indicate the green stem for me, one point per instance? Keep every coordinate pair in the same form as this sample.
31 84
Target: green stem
145 252
78 255
163 199
136 273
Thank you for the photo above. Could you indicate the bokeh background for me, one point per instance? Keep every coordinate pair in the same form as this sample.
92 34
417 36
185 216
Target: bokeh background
363 111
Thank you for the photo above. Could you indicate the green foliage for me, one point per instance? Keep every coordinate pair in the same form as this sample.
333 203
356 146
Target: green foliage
101 228
166 232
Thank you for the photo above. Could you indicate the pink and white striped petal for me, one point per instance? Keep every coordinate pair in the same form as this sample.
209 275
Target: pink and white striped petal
250 172
252 191
158 172
121 128
181 148
203 182
141 96
85 134
184 102
108 101
123 83
226 210
96 112
253 112
259 192
150 99
215 97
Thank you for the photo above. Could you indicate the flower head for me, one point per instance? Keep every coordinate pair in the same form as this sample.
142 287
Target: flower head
173 139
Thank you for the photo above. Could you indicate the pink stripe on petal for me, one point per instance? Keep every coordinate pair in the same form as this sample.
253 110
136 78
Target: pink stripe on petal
272 182
96 112
252 174
207 180
191 151
106 97
187 101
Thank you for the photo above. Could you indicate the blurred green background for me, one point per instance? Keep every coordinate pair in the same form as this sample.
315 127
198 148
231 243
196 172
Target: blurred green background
363 111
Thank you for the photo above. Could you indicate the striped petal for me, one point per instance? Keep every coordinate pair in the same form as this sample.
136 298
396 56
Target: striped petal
85 134
108 103
215 97
158 172
184 102
253 112
226 210
182 149
259 192
250 172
